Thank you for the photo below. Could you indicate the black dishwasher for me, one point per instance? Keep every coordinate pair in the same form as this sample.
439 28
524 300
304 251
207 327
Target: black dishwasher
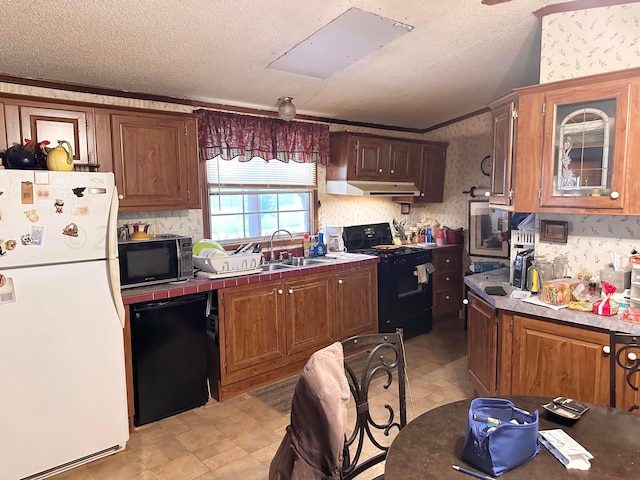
169 353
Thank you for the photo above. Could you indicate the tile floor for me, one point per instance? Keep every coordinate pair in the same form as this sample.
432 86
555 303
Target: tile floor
237 439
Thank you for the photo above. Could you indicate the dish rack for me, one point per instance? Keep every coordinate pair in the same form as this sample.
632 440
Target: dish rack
228 265
520 240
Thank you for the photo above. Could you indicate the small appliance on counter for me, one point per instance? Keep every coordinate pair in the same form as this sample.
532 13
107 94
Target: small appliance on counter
520 266
335 242
158 259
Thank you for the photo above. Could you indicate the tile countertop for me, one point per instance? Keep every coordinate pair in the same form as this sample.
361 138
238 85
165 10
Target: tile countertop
500 277
197 284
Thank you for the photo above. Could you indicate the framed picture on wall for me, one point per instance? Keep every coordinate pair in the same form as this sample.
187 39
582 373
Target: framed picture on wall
489 230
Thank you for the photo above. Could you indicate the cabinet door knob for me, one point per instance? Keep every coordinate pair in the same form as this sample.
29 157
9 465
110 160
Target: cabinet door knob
340 282
380 171
606 350
279 291
614 195
446 278
290 291
393 171
120 197
447 260
465 301
632 357
447 297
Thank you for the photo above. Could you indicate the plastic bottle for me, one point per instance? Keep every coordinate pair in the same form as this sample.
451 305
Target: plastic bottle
306 242
428 235
322 249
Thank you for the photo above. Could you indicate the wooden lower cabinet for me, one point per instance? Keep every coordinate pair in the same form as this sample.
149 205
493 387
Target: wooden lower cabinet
253 338
268 330
356 302
513 354
482 348
309 320
447 281
552 360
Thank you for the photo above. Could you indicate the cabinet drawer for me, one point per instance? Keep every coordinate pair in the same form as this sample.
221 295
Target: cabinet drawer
448 259
452 296
446 280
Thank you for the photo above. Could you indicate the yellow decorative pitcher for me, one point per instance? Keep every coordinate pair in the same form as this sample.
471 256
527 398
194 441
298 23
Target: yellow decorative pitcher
60 159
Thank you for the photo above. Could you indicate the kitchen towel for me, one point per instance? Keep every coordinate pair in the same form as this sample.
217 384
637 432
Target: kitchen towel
423 277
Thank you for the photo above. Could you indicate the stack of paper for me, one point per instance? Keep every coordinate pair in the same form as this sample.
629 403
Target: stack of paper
565 449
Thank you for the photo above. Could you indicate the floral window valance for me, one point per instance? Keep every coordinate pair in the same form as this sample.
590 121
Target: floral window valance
232 135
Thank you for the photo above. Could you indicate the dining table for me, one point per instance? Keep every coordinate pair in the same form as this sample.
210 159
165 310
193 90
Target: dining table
429 445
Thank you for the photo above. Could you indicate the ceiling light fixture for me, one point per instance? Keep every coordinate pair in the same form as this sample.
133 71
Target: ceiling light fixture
286 109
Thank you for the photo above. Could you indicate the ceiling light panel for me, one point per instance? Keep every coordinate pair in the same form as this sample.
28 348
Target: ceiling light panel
342 42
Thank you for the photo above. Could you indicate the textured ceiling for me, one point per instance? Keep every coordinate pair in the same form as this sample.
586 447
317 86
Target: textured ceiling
459 56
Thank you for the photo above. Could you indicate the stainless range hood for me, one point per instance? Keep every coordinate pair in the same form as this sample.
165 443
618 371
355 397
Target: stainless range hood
371 189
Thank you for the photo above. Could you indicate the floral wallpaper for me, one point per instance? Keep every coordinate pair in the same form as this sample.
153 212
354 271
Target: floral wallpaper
574 44
590 41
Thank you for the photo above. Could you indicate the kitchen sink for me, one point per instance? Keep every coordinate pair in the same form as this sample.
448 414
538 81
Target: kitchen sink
313 261
269 267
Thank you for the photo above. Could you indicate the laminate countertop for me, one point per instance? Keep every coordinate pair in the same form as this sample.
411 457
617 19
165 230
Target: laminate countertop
479 281
197 284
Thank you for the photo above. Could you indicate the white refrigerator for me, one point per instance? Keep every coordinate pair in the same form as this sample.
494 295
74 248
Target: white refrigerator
62 375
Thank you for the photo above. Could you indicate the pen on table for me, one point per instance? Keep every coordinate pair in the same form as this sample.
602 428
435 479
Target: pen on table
472 473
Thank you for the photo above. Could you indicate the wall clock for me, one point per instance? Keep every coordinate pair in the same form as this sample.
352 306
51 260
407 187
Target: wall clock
485 165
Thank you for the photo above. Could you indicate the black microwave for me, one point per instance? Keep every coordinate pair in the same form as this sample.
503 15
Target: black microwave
165 258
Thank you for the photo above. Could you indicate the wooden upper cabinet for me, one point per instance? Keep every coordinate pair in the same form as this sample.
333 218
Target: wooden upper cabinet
51 121
356 156
371 158
401 157
504 112
431 179
577 150
155 158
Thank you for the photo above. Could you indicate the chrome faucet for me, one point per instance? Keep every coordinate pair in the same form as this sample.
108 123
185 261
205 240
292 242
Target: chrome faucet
271 241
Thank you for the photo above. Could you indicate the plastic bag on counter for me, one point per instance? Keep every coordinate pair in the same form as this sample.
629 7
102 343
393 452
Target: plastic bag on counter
606 306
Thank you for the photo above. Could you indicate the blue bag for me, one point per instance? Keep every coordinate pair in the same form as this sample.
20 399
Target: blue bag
494 445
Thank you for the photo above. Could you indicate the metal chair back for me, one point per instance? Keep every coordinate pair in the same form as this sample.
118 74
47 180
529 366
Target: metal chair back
382 369
625 363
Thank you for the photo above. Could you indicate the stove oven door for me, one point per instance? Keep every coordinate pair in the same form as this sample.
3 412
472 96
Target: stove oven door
402 301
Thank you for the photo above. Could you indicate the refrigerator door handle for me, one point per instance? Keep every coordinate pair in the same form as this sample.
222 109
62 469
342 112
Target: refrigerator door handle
112 256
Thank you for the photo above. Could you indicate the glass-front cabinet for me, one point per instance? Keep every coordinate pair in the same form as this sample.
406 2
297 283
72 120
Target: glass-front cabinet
584 146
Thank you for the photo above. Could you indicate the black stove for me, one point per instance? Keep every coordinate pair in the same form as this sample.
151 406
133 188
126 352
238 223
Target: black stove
404 282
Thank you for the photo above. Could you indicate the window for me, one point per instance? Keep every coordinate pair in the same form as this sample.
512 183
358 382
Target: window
250 200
